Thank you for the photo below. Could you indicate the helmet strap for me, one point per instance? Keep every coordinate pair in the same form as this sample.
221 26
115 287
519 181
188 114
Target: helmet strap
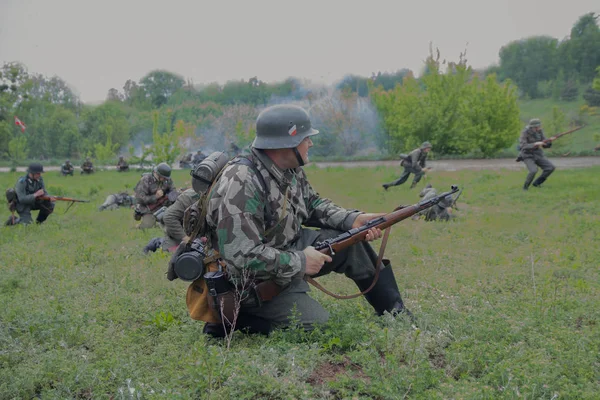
298 156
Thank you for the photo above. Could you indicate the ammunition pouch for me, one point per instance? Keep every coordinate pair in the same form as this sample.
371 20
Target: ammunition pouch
160 213
201 305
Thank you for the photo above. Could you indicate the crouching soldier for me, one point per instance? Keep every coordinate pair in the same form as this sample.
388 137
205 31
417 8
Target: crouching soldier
87 167
171 221
67 168
154 190
29 191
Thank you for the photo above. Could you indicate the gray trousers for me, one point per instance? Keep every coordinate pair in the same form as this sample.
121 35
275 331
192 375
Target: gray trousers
405 174
148 221
46 207
357 262
110 203
532 166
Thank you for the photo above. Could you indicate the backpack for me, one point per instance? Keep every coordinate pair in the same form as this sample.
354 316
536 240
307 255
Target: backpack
11 199
194 216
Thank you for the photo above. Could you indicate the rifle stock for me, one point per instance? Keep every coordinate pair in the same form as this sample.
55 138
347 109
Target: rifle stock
353 236
61 198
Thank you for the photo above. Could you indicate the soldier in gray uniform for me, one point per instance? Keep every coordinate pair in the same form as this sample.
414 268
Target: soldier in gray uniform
441 211
151 192
172 219
531 144
172 223
271 244
29 189
114 201
413 163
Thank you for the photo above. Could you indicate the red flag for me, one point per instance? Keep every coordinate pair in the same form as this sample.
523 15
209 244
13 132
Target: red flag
20 123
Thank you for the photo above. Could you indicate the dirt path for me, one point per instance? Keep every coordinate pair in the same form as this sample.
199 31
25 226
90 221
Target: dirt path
442 165
457 165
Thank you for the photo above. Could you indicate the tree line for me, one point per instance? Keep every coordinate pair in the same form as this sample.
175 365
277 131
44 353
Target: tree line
462 111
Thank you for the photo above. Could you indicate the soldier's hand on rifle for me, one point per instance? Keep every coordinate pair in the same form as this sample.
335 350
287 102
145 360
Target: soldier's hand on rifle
39 193
314 260
539 144
362 219
159 193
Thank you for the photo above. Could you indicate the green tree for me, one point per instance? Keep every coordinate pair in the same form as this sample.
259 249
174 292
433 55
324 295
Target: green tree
527 62
107 120
456 111
105 152
166 146
17 149
596 84
159 85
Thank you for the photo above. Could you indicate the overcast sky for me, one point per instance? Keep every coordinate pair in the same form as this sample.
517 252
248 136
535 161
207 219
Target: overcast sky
97 45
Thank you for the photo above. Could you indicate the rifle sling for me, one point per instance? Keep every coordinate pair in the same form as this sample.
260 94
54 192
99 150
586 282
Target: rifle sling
375 278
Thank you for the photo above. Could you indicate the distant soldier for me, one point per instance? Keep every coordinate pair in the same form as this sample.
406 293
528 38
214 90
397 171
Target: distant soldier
67 168
531 143
413 163
234 150
28 190
114 201
172 223
186 161
87 167
122 165
154 190
198 157
441 211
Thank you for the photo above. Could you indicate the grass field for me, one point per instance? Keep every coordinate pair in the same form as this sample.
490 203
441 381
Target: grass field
507 298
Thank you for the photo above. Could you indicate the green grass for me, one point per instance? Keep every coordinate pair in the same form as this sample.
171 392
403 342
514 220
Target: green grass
507 297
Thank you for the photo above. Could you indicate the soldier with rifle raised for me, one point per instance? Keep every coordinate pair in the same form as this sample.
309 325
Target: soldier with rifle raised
531 143
154 190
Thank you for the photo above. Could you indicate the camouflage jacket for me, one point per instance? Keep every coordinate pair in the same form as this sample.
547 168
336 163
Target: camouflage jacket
87 165
237 223
26 187
526 141
145 191
173 218
122 163
67 168
416 159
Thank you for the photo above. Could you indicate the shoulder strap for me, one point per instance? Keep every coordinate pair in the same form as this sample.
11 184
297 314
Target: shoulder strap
247 162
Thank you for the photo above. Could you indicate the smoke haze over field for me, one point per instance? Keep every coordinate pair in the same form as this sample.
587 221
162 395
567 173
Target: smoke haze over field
98 45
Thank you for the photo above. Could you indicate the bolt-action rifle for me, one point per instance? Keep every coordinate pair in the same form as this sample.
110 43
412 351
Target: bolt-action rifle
60 198
353 236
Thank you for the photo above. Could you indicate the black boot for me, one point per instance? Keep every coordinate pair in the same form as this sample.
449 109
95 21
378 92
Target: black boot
153 245
539 181
385 295
413 185
215 330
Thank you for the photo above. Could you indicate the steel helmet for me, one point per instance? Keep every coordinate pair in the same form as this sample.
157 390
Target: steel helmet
163 170
35 168
282 126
